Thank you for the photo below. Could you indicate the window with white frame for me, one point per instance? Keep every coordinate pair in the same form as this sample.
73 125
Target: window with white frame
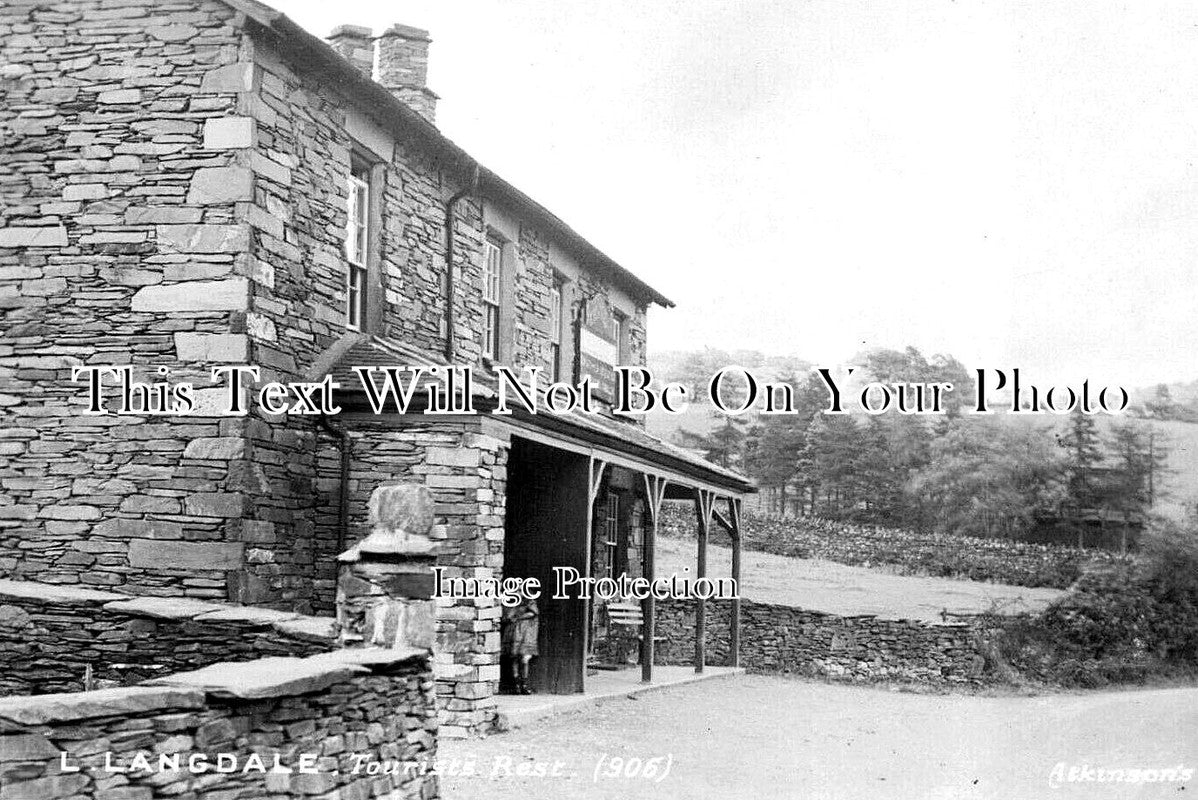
492 281
357 247
555 330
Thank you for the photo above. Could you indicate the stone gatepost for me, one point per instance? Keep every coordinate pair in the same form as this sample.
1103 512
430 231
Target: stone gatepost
385 585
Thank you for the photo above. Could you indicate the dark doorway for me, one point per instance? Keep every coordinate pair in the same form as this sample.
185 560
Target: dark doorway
546 519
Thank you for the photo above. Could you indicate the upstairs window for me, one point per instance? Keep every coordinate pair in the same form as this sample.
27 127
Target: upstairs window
357 247
492 281
555 330
620 334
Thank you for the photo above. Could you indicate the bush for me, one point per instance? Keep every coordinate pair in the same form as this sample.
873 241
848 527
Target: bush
1122 624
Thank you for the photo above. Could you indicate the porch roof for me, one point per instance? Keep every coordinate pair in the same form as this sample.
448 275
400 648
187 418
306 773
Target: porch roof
626 437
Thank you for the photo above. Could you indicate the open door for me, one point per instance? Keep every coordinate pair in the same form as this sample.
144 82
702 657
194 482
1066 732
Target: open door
545 527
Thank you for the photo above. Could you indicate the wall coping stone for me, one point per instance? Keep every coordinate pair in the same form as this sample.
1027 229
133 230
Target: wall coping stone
55 593
377 659
383 547
42 709
280 676
252 615
312 629
285 676
163 607
295 626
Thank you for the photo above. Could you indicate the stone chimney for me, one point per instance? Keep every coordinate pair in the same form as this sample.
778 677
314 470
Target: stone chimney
356 45
403 68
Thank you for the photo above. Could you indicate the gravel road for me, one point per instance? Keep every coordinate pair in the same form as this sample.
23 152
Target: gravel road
771 737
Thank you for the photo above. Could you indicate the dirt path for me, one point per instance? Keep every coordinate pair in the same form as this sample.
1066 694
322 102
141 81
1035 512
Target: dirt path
765 737
840 589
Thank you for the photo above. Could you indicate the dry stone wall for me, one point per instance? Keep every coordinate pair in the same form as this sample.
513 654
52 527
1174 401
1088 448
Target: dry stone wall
785 639
51 635
1016 563
352 724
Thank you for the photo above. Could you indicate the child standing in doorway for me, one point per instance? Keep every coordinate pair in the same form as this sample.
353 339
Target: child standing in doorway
521 625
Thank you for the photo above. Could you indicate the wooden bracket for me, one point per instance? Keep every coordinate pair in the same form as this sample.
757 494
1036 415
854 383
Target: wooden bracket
597 468
655 494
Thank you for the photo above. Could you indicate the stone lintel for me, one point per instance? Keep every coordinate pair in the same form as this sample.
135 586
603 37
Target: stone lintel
154 554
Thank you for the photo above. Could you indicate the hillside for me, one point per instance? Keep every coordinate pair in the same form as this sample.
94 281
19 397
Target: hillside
1178 491
694 369
1180 482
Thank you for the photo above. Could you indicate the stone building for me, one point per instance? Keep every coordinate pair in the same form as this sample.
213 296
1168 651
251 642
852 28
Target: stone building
198 183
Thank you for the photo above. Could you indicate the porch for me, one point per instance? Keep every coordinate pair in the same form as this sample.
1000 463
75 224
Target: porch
596 509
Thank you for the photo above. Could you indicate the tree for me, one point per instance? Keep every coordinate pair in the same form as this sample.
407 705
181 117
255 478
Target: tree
1084 454
776 441
829 465
986 478
1140 454
1161 406
881 473
910 366
724 445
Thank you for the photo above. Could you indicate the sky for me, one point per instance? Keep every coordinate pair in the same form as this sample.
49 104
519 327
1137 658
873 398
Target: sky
1013 183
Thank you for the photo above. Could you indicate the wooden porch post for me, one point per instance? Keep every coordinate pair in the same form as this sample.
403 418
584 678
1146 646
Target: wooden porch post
655 490
704 501
597 467
731 523
734 518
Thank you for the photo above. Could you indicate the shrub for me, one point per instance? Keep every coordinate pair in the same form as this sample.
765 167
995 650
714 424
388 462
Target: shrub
1125 623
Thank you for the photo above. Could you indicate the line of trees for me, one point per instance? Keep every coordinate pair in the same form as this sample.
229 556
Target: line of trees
981 476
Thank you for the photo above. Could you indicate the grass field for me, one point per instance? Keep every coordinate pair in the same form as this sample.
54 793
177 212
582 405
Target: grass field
1181 479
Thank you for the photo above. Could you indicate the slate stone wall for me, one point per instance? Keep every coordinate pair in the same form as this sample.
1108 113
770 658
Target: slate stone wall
49 636
342 729
1016 563
121 242
785 639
